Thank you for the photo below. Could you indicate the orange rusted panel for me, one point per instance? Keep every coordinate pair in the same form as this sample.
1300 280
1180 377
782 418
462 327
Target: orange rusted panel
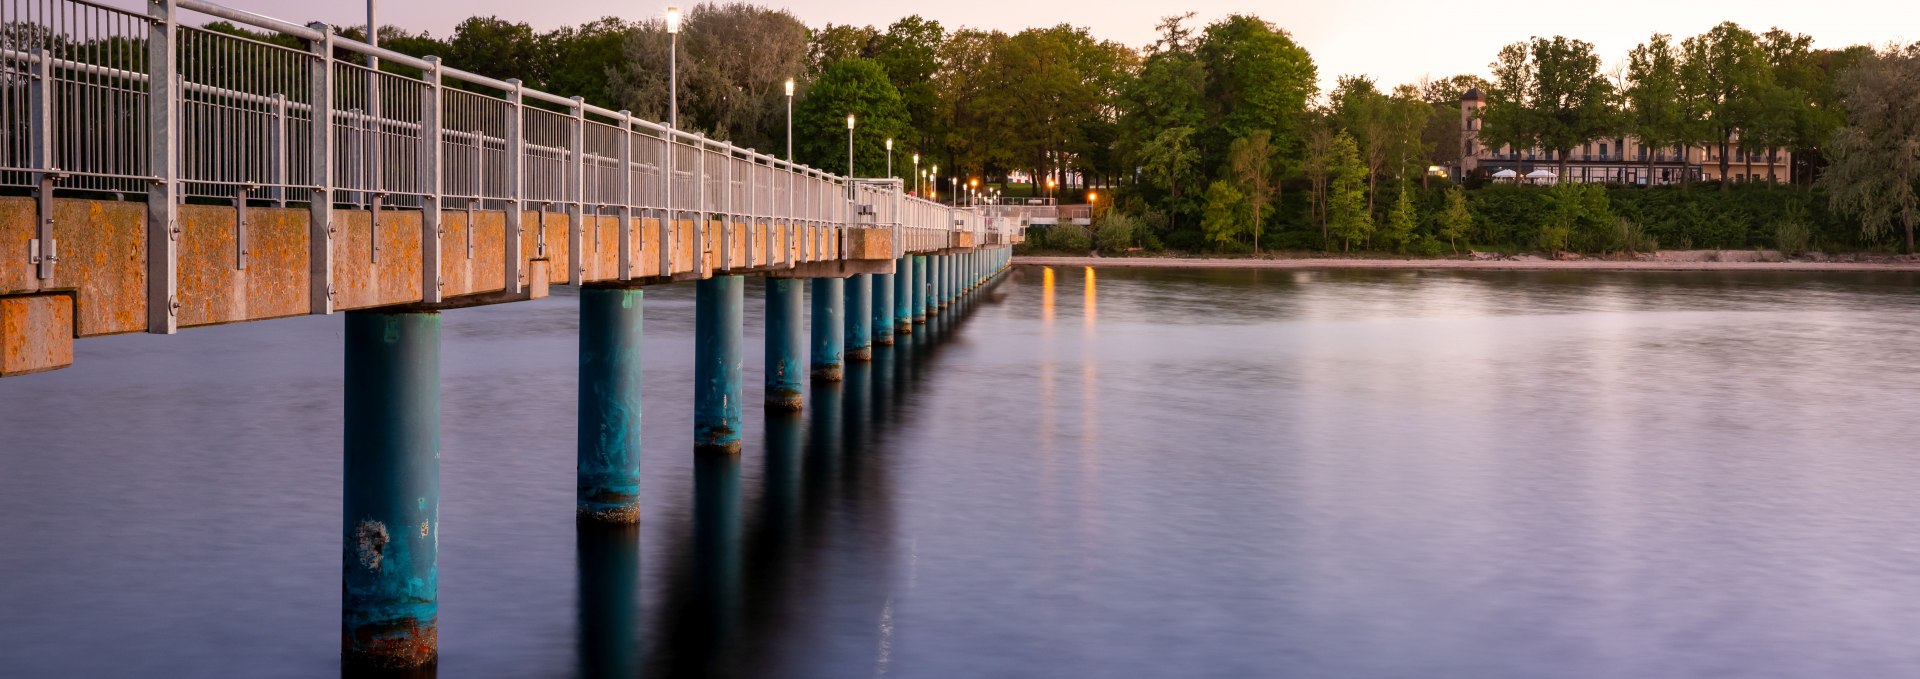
36 334
488 266
211 290
557 246
601 243
456 268
360 283
648 264
277 275
871 243
683 246
16 231
103 260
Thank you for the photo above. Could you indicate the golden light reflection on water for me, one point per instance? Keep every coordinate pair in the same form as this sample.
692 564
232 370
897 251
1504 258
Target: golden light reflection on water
1046 294
1090 313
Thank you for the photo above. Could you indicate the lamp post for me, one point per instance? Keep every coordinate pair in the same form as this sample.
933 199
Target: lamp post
889 157
916 174
849 145
789 120
673 67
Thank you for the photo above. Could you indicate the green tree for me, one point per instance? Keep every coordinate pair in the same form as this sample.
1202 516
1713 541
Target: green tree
910 53
1401 220
1876 156
1225 218
1656 113
1456 221
584 60
1251 160
1169 161
497 48
1728 78
1257 79
1347 215
859 87
1549 93
838 42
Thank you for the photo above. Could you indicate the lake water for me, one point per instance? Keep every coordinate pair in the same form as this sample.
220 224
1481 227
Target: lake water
1128 473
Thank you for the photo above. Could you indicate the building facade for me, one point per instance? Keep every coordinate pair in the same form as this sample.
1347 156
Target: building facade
1621 159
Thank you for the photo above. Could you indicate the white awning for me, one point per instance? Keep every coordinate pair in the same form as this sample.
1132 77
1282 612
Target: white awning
1506 174
1541 174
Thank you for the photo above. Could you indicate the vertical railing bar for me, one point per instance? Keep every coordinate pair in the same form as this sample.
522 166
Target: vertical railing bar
429 175
625 211
320 166
44 251
515 146
163 251
574 192
278 150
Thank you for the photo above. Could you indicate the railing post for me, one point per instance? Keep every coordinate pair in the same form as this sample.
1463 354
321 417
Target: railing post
700 205
576 193
320 164
793 213
726 213
667 220
277 151
430 162
44 251
516 146
625 211
163 157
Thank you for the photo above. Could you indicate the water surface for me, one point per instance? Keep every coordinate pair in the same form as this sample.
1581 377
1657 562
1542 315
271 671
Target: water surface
1180 473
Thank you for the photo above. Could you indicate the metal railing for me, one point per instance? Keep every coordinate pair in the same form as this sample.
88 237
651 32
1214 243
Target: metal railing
98 99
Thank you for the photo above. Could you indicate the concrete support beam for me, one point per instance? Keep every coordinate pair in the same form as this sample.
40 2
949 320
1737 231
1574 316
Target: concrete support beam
786 343
608 432
36 334
833 268
718 308
828 313
859 315
390 580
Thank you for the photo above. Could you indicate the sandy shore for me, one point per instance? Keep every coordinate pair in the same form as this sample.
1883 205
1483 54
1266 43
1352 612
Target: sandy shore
1499 264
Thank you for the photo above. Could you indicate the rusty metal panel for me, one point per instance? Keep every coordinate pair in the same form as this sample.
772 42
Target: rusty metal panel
489 252
17 228
36 334
870 243
277 272
103 260
558 246
648 263
360 283
602 244
211 289
683 246
456 268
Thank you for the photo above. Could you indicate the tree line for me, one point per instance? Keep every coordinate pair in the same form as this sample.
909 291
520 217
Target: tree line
1217 137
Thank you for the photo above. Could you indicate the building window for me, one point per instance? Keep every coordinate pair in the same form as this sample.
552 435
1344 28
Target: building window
1603 150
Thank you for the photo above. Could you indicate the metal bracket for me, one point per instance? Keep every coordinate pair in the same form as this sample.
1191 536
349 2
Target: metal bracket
471 205
41 258
373 225
240 227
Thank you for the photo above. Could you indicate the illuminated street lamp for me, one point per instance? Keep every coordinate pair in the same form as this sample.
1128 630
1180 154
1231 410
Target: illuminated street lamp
889 157
916 174
789 120
849 145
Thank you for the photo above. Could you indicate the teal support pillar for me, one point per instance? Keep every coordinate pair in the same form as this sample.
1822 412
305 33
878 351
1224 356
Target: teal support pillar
859 327
607 434
390 561
883 308
786 343
936 285
919 301
828 301
903 295
718 307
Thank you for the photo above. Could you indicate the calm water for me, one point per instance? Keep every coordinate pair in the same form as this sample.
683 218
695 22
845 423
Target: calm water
1155 474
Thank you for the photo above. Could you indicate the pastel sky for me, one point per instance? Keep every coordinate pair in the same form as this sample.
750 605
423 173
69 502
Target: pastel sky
1393 40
